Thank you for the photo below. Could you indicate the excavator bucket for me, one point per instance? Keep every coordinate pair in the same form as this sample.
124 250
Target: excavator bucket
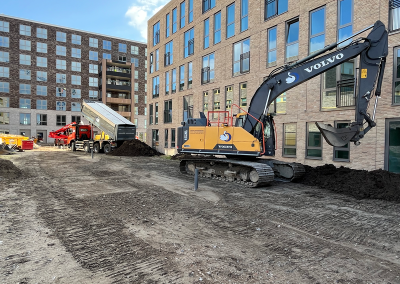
337 137
4 149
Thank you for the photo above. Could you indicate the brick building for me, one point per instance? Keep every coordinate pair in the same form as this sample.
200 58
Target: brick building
207 55
46 71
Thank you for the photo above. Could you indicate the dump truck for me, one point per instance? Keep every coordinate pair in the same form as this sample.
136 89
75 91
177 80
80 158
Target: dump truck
115 129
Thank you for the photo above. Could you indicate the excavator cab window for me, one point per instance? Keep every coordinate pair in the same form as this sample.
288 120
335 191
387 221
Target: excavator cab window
267 130
240 118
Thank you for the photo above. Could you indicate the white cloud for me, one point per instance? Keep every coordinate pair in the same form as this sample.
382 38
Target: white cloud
141 11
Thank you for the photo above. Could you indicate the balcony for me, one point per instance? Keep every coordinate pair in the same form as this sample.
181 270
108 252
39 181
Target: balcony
116 71
117 85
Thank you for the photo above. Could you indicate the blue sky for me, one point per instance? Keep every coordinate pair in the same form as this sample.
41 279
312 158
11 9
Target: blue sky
120 18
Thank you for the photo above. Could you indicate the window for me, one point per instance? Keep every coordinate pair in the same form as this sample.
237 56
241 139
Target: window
345 21
174 21
173 138
151 62
61 92
135 61
289 140
61 78
217 27
167 82
241 57
166 138
25 89
167 25
228 97
24 74
317 30
145 87
189 42
107 56
4 102
61 120
93 82
4 117
136 74
75 80
4 56
76 93
271 57
41 47
168 111
206 43
93 55
60 36
145 64
169 54
61 106
25 103
151 114
61 50
278 106
243 94
341 154
4 87
5 42
76 66
396 79
122 47
205 102
292 40
76 52
190 11
145 51
93 68
41 61
181 77
76 39
156 113
157 60
190 75
41 90
93 94
41 104
136 99
24 30
134 50
107 44
275 7
24 59
187 107
156 33
61 64
41 76
173 90
208 4
230 20
207 72
244 15
217 105
75 106
4 72
41 33
314 142
156 87
41 119
136 111
4 26
25 118
93 42
122 58
183 12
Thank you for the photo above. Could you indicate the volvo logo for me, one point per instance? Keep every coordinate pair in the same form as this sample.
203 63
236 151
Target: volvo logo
324 62
293 77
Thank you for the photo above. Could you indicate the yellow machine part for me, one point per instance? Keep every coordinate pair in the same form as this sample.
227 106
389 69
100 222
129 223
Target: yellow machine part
101 136
11 139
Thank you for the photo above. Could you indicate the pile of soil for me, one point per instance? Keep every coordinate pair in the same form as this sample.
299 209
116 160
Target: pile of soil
378 184
8 170
135 148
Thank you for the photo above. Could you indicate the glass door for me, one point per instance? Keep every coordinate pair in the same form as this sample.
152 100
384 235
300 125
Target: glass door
392 147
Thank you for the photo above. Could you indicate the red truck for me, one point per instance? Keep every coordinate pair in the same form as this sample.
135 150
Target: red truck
69 134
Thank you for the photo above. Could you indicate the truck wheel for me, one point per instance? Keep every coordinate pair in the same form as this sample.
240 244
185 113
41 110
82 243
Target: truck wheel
86 147
96 147
107 148
73 146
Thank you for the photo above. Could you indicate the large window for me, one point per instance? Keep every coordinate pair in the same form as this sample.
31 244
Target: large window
25 118
4 26
61 92
61 106
93 42
289 140
169 53
76 39
275 7
61 64
41 90
317 30
187 107
61 78
396 76
107 44
41 61
189 42
207 72
25 103
41 76
208 4
24 59
41 104
61 120
75 80
25 89
314 142
61 50
173 84
272 49
183 11
342 153
41 33
93 55
244 15
76 52
168 111
41 47
41 119
241 57
94 82
122 47
156 87
174 20
206 43
75 106
345 20
217 27
190 75
76 66
230 20
76 93
167 82
292 40
4 56
60 36
24 74
24 30
167 25
156 33
5 72
181 77
190 11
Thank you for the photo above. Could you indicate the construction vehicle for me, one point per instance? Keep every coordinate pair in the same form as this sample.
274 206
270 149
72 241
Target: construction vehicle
115 129
245 137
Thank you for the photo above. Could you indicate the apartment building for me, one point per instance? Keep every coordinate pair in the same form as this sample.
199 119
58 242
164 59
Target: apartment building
46 71
213 54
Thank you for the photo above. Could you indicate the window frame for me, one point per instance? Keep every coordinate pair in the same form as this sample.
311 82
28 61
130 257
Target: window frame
287 28
76 39
216 29
289 146
167 25
206 7
41 118
339 27
310 36
173 138
188 43
242 57
273 63
182 15
174 18
61 36
40 105
61 120
39 31
4 26
27 30
308 147
169 53
244 16
23 117
206 37
207 69
156 33
343 148
93 42
232 23
266 2
395 80
40 46
167 83
168 111
122 47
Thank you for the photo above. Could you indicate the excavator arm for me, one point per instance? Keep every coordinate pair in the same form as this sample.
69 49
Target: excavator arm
372 51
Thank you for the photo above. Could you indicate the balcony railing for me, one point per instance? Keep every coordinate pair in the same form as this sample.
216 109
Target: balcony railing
118 83
118 69
345 93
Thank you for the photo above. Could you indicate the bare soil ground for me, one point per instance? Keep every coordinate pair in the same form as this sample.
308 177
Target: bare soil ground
68 218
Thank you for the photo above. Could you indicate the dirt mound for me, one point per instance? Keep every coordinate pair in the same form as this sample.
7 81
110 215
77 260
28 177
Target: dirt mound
378 184
8 170
135 148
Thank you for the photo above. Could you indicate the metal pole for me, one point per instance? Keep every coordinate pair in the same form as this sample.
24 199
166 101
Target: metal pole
91 150
196 179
